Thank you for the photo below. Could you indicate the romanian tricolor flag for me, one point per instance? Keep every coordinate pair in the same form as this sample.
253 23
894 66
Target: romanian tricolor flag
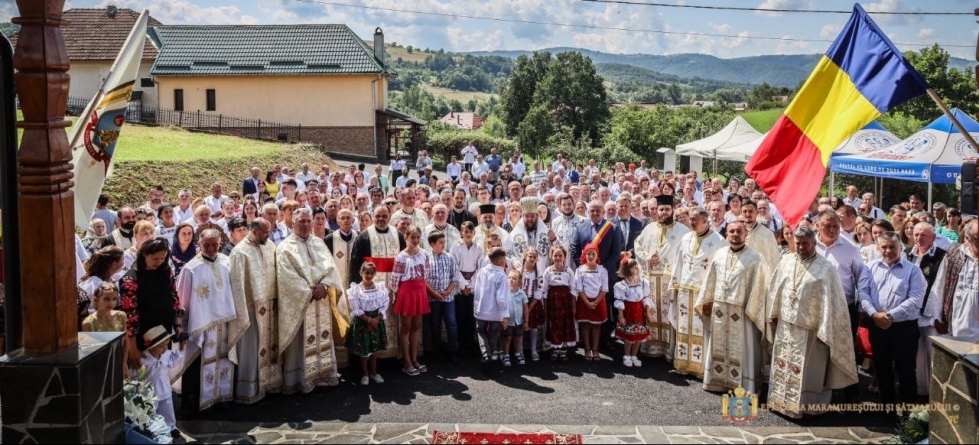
861 76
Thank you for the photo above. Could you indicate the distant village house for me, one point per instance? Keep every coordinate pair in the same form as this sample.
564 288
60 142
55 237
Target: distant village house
322 77
464 121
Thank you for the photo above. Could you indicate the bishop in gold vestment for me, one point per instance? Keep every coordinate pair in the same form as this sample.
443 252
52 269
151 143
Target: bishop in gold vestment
812 351
253 277
304 272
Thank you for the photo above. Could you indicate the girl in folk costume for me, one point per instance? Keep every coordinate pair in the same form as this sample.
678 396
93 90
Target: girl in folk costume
105 318
368 335
591 285
632 300
532 286
407 280
558 290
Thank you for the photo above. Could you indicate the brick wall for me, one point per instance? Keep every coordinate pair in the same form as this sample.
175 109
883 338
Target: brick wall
349 140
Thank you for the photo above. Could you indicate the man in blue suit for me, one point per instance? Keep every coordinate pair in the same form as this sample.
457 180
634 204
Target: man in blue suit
609 243
629 226
250 185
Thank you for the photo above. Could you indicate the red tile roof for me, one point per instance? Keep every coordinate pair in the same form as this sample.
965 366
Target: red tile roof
90 34
465 121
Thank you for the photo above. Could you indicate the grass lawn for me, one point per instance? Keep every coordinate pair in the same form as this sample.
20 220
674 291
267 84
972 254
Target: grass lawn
142 143
461 96
147 143
762 120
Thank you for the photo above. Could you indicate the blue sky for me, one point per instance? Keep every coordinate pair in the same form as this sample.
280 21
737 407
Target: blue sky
463 34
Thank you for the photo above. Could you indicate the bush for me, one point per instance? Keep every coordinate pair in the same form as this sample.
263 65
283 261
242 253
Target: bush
442 144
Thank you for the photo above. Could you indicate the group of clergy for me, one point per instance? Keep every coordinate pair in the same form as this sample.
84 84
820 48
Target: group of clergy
731 310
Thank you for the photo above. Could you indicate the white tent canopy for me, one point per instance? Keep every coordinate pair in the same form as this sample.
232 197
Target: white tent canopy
716 146
870 138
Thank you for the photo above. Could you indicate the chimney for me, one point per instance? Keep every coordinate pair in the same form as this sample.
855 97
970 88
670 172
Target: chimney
379 45
111 11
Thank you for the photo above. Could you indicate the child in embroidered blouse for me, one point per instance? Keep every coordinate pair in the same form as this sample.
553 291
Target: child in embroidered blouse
105 318
557 287
368 335
407 280
531 286
631 300
513 334
591 284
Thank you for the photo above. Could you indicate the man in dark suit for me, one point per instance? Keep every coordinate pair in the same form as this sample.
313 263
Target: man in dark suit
629 226
609 252
250 185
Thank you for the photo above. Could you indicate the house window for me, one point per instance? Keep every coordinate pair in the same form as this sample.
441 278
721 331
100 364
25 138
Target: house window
212 102
178 100
145 82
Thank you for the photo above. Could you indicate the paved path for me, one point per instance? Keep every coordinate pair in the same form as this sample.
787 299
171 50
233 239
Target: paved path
539 393
421 433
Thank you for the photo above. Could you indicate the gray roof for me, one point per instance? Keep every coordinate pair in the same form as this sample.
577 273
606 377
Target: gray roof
262 50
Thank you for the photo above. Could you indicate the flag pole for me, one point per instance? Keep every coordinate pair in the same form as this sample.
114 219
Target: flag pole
958 125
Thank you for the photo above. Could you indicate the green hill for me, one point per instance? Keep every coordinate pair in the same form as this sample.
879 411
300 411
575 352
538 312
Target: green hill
777 70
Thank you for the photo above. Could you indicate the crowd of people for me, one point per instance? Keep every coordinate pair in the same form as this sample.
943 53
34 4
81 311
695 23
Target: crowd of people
273 287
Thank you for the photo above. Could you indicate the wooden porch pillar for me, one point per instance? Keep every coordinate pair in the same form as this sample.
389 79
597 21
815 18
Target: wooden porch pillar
62 386
44 178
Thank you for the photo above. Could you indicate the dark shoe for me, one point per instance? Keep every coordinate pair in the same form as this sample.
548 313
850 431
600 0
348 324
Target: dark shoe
454 358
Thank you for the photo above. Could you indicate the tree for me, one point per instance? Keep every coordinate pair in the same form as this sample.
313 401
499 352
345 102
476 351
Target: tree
957 88
575 94
674 94
535 130
409 49
517 94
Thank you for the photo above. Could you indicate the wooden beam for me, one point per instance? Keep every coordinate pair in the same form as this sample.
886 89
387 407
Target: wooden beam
44 175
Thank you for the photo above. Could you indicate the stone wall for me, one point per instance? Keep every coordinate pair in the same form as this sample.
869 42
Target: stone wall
71 396
357 141
954 391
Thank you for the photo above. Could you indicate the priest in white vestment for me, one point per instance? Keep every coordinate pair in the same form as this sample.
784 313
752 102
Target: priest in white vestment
565 225
761 239
418 217
440 223
812 352
689 271
252 264
379 244
304 272
733 300
656 251
204 288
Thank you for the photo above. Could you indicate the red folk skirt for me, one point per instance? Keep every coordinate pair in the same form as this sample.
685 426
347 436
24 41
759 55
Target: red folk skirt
598 315
561 328
412 298
635 328
536 318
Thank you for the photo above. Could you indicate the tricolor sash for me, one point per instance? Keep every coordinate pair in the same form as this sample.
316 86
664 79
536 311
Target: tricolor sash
602 231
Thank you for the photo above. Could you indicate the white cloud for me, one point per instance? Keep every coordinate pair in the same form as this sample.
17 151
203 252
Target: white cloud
892 19
468 40
831 30
185 12
783 4
729 42
926 33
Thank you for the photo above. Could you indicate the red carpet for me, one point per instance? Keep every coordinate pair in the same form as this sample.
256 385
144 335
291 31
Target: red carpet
439 437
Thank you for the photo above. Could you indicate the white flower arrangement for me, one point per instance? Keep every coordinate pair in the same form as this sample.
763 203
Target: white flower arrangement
140 408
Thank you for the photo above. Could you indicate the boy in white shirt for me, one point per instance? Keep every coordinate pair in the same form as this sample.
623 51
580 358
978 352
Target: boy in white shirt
158 360
492 303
